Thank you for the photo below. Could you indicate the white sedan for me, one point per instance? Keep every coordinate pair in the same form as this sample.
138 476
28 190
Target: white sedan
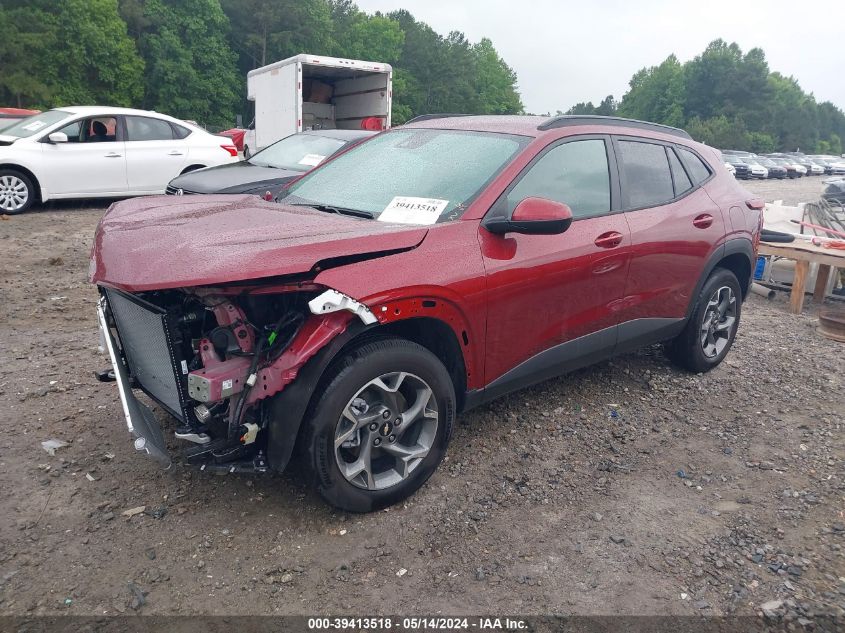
94 152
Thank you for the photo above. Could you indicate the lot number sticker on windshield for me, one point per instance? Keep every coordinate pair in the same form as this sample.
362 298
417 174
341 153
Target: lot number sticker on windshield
312 159
35 125
411 210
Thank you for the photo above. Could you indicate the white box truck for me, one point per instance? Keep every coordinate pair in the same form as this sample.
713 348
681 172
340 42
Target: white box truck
308 92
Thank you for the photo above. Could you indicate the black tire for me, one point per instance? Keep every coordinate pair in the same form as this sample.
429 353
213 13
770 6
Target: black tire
341 383
10 192
246 152
687 350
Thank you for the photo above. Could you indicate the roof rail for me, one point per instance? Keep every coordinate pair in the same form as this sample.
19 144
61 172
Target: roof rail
428 117
566 120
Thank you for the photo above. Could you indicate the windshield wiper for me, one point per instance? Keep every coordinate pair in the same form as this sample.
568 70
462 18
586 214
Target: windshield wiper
327 208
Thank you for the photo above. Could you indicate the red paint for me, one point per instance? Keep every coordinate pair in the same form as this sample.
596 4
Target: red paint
540 209
315 333
183 241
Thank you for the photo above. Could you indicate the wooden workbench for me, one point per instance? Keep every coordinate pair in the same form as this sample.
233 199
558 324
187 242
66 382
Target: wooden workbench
804 253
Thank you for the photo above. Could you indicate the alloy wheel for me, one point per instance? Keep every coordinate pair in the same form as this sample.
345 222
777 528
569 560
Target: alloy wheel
386 430
718 322
13 193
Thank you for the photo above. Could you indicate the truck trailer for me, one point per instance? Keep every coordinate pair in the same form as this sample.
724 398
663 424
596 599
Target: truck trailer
308 92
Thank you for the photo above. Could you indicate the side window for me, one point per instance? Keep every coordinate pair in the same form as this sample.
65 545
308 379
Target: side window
139 128
574 173
679 176
647 179
179 131
698 170
93 130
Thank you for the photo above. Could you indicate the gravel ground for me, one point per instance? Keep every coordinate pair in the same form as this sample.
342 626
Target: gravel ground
806 189
626 488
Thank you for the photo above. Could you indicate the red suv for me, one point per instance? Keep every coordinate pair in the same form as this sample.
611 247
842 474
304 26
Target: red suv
430 269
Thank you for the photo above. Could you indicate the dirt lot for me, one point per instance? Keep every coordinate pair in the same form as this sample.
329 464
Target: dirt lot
629 487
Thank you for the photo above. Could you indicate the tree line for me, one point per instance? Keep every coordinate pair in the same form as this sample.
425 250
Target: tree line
189 58
731 100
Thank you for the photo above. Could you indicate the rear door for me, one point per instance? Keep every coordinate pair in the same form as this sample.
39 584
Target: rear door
675 226
91 162
155 153
552 298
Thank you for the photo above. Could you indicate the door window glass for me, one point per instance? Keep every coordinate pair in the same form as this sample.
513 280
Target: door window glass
93 130
647 180
140 128
574 173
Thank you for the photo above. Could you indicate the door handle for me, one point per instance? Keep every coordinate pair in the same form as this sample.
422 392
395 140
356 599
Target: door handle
113 155
703 221
174 153
611 239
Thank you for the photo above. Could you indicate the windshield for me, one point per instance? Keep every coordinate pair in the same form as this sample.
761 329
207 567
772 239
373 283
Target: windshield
298 152
34 124
410 176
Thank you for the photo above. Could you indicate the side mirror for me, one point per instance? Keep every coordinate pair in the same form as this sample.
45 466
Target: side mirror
57 137
533 216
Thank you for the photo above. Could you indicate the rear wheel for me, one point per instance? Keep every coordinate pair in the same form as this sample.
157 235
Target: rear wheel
382 425
711 329
17 192
246 152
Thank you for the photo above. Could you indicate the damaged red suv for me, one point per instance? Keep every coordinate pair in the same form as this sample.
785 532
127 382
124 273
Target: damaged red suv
436 266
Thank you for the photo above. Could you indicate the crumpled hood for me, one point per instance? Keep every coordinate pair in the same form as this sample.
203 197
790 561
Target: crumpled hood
164 242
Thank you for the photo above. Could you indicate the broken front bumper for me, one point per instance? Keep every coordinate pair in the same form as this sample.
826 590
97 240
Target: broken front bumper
140 420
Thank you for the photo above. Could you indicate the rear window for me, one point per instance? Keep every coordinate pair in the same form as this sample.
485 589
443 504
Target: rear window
646 174
680 177
698 170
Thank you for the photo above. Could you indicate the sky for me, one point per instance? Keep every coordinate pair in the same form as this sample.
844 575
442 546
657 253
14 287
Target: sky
567 52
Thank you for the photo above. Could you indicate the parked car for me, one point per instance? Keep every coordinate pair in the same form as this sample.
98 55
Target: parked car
756 169
435 267
237 136
268 171
834 191
8 116
792 169
775 170
731 169
100 152
742 169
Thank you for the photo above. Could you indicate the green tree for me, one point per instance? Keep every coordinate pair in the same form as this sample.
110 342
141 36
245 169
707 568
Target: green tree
265 31
44 67
99 64
495 81
191 70
657 94
28 36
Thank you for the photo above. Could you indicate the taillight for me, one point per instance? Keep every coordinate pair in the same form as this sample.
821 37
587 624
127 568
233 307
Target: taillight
233 151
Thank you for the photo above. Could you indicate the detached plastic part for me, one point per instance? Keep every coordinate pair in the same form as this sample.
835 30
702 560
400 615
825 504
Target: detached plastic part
334 301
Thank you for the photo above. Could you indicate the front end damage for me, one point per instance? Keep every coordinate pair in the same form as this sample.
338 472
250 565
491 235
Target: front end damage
214 359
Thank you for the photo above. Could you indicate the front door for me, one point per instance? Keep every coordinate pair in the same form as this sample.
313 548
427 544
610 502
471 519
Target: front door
92 162
553 298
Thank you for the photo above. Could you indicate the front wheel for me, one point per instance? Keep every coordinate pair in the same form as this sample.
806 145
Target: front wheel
712 326
382 425
16 192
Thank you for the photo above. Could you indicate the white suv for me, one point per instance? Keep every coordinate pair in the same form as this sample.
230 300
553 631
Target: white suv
99 152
